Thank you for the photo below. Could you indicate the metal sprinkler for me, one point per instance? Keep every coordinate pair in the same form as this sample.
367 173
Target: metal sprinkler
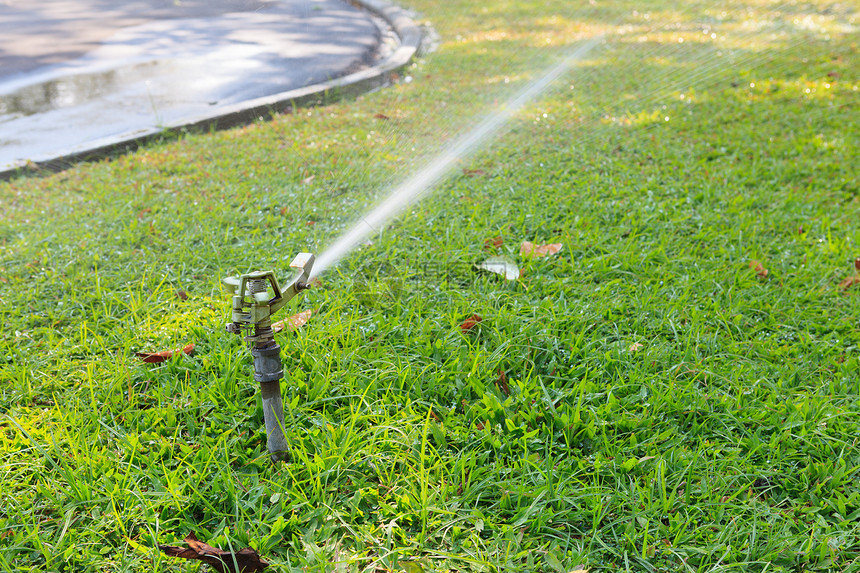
256 297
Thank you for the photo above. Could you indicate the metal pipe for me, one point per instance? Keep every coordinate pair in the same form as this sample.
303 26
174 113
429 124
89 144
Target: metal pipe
268 371
273 414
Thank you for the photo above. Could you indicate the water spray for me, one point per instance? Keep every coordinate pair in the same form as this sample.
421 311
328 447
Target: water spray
408 191
256 297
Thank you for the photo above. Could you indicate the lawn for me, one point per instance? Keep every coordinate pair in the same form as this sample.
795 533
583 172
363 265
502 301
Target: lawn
676 389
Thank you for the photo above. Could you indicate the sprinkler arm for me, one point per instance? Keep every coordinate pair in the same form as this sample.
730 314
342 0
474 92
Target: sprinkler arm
304 262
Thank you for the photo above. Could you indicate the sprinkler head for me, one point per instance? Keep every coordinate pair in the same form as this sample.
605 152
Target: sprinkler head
257 296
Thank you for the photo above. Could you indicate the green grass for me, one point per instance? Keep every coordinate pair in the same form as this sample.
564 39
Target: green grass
641 401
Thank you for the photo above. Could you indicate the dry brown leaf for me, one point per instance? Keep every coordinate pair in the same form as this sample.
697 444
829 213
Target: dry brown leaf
857 264
294 322
473 172
849 282
759 269
381 116
470 323
502 382
182 294
222 561
493 244
529 249
635 346
164 355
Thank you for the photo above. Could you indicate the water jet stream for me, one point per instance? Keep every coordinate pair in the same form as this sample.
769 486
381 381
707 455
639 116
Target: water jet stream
428 176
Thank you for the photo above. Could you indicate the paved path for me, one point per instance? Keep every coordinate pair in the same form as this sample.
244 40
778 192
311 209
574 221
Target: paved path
77 73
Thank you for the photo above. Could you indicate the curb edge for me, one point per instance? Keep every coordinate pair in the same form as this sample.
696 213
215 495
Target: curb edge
243 113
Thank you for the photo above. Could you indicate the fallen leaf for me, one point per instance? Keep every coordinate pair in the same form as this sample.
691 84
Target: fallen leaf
164 355
501 266
222 561
530 249
849 282
502 382
759 269
579 571
635 346
493 244
470 323
308 180
857 264
473 172
294 322
284 210
381 116
182 294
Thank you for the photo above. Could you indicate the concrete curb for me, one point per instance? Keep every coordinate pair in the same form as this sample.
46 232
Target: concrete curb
242 113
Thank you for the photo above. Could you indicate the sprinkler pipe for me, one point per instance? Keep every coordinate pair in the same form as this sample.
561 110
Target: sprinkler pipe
256 297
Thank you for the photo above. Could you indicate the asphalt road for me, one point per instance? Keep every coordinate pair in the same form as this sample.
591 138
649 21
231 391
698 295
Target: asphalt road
76 73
